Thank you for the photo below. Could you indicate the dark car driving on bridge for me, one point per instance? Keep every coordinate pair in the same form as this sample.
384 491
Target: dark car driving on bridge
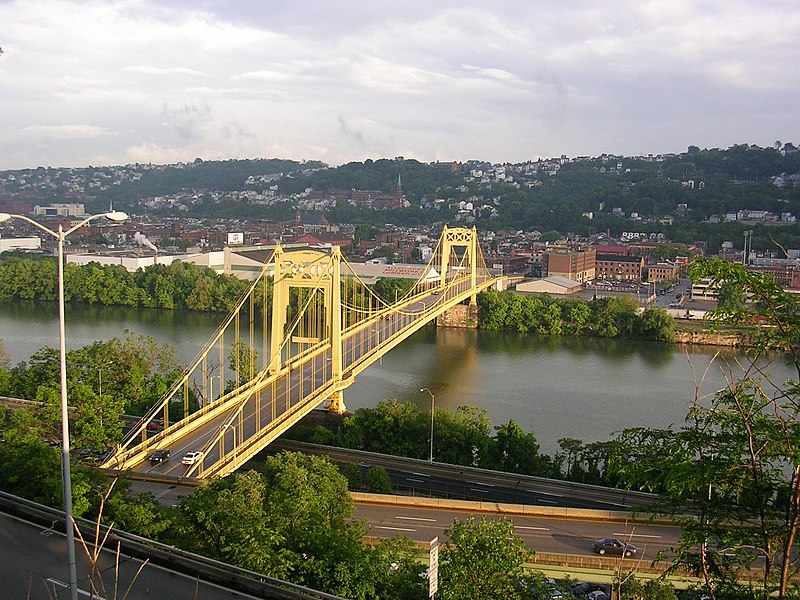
614 546
159 456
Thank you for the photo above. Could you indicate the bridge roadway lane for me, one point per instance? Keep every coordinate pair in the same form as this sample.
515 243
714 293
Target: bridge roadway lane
424 478
285 393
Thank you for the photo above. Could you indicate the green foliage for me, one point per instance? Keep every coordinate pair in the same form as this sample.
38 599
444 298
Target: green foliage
391 289
462 437
378 481
104 380
181 285
229 520
604 317
484 560
390 427
31 468
3 355
652 589
515 451
352 472
735 462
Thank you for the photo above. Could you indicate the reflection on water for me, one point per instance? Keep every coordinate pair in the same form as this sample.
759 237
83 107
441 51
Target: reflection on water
557 387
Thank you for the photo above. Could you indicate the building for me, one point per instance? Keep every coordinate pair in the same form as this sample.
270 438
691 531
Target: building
517 263
663 272
785 271
23 243
60 210
554 284
576 265
619 268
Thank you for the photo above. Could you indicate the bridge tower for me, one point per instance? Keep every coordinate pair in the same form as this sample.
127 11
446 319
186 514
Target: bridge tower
458 245
320 274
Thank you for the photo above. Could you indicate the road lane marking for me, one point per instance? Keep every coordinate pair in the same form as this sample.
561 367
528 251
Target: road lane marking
641 535
531 527
416 519
546 494
394 528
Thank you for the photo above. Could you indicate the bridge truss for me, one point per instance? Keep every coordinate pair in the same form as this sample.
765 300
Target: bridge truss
307 326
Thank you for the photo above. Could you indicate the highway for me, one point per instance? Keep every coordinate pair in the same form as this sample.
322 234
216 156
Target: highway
541 532
424 478
568 518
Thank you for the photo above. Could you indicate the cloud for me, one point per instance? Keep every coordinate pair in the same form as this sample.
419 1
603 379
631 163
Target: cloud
62 132
189 120
502 81
149 70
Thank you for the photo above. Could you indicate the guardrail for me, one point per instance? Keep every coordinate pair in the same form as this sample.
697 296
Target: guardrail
169 557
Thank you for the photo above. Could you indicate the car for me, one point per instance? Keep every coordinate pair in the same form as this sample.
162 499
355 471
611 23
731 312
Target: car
159 456
583 588
191 457
674 304
614 546
152 426
597 595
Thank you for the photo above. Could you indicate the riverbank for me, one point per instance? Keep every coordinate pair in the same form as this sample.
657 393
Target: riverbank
710 338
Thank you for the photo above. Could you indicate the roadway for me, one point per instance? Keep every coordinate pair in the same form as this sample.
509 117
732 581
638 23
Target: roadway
541 532
542 518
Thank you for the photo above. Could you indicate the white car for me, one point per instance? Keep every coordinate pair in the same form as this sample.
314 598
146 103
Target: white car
191 457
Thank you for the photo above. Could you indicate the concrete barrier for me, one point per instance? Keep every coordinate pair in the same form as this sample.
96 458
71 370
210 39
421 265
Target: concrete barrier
500 508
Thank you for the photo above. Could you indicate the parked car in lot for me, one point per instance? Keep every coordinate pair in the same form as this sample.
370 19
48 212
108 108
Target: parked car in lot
191 457
597 595
584 588
614 546
159 456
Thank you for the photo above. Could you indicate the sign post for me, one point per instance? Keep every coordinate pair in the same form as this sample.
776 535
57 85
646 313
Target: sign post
433 569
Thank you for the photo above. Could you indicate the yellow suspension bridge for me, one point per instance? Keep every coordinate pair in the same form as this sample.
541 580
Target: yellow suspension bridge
326 327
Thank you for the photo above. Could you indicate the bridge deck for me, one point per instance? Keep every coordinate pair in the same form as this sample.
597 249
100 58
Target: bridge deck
242 422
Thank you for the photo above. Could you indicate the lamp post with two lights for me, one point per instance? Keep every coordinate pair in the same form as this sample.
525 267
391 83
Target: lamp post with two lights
66 478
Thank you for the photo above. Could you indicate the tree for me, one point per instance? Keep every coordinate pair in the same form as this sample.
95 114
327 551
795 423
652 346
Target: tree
517 452
484 560
3 355
736 461
378 481
730 297
309 506
229 521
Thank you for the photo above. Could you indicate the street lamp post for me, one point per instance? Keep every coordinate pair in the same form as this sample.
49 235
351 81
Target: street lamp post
433 406
66 478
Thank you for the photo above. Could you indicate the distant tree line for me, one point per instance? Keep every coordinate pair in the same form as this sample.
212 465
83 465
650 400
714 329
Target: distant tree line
616 316
181 285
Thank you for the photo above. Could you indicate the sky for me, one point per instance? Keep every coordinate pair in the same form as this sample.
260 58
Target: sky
117 82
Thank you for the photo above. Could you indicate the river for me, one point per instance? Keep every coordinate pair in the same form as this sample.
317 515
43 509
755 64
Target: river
556 387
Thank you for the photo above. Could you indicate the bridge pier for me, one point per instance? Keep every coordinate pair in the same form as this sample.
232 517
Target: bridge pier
335 403
464 316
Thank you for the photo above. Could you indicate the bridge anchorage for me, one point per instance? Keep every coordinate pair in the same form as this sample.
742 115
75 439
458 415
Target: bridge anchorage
307 326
